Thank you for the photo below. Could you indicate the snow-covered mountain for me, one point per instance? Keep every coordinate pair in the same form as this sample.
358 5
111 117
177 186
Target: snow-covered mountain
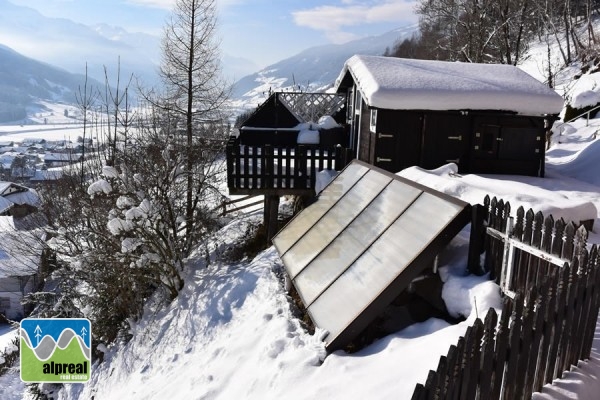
313 69
23 81
70 45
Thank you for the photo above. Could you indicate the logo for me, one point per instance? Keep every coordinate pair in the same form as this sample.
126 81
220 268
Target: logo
55 350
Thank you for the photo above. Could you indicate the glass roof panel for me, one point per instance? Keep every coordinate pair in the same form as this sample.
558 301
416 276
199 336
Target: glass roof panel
354 240
383 262
334 222
331 194
364 246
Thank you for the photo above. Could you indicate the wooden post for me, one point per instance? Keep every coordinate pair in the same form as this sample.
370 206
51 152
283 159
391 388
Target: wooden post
476 241
271 212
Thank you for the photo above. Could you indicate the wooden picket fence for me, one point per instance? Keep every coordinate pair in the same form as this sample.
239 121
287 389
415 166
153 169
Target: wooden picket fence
539 336
548 323
520 251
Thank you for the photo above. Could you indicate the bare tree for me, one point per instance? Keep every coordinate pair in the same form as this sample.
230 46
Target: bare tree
476 30
195 92
86 97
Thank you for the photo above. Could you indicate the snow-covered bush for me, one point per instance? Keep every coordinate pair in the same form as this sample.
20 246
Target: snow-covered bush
9 356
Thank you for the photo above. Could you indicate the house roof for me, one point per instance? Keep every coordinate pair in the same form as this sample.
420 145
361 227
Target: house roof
407 84
272 113
12 193
19 252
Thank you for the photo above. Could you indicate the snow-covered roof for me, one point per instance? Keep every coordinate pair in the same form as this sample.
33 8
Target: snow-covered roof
407 84
20 252
47 175
12 193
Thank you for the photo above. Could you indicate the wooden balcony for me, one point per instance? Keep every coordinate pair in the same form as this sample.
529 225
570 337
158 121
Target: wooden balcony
279 170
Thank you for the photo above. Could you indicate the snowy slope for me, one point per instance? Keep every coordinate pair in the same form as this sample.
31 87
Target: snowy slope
24 81
232 333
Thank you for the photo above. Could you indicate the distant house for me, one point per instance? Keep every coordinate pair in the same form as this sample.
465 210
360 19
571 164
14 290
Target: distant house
46 176
60 159
17 200
486 118
20 260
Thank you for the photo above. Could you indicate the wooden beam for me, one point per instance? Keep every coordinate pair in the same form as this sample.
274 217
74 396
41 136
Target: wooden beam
271 214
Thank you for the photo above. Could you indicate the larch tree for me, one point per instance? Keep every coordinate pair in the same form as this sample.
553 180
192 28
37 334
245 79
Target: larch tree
195 96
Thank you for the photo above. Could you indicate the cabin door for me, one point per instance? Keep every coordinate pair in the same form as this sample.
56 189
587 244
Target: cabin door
445 140
486 141
397 139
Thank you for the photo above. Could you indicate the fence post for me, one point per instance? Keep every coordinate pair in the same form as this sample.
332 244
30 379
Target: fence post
477 240
271 213
300 167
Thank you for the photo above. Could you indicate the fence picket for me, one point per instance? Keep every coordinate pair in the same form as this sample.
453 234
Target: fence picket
547 239
569 246
501 349
526 339
557 322
420 392
557 240
466 364
512 358
569 312
547 330
442 379
486 376
453 371
535 354
580 313
474 355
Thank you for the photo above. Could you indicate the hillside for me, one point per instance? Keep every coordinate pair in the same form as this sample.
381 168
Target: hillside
233 332
23 81
314 69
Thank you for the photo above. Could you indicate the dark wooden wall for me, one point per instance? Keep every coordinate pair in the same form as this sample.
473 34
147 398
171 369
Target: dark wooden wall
478 142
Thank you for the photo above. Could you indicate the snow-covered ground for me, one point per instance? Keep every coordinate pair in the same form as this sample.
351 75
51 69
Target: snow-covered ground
234 334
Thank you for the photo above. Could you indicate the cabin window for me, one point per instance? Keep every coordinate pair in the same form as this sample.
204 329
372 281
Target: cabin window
4 303
373 120
357 103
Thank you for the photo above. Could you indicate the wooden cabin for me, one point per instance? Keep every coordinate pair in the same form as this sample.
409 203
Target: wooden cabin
486 118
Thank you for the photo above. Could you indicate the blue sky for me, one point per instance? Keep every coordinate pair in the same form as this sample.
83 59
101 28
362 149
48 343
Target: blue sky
264 31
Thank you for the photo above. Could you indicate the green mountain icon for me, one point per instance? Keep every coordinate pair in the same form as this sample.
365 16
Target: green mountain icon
67 360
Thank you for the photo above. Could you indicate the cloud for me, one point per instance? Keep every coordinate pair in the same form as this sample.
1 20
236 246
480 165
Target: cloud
168 4
333 19
164 4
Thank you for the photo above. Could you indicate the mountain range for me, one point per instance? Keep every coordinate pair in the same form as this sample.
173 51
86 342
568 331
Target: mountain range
314 69
76 47
23 80
72 46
